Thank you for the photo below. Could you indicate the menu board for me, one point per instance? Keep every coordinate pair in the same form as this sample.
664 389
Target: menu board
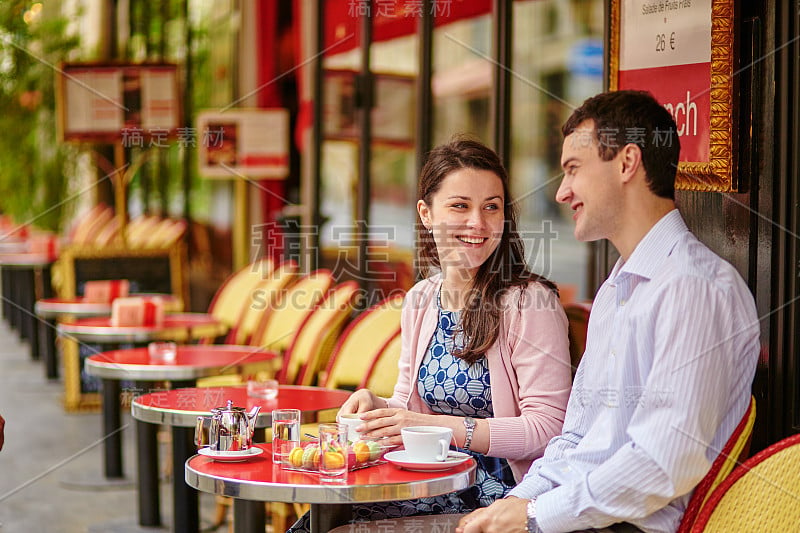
248 143
682 52
110 103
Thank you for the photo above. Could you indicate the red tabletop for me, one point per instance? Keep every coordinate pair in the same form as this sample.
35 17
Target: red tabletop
191 362
260 480
181 407
176 326
79 307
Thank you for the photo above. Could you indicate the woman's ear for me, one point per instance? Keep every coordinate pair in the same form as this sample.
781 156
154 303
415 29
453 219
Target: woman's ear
424 214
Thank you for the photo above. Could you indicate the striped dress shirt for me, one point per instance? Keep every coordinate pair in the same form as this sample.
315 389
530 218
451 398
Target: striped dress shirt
672 346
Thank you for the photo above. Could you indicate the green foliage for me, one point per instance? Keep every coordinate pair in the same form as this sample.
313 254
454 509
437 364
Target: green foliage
34 167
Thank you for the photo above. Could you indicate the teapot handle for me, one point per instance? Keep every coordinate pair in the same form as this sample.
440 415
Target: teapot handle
202 432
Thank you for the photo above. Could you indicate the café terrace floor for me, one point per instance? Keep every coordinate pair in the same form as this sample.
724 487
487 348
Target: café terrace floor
46 447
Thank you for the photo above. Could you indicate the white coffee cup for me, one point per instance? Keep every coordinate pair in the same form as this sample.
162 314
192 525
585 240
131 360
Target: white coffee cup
352 421
426 443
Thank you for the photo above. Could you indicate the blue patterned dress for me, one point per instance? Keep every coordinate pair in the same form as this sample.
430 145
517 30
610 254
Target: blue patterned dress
450 386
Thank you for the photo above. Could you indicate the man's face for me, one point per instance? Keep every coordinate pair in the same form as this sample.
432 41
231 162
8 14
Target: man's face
590 185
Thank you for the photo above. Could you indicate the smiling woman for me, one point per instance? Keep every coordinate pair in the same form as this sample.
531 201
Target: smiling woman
484 340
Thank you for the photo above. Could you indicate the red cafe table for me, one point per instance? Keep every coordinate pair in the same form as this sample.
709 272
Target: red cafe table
259 479
176 327
180 408
52 309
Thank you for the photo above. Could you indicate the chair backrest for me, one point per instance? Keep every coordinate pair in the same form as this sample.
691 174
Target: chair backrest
260 300
760 495
227 304
578 317
280 324
312 346
382 375
361 343
734 451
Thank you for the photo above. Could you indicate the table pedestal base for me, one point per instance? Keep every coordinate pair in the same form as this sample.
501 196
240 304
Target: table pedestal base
328 516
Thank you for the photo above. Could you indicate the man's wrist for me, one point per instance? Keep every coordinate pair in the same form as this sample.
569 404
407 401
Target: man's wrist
532 526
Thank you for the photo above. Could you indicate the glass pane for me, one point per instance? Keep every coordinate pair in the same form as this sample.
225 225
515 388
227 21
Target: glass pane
557 63
462 71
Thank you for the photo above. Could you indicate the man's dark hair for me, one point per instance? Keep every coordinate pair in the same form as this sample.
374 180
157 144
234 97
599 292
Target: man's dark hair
634 117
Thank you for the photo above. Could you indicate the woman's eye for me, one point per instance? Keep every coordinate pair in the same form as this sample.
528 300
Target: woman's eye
460 206
492 207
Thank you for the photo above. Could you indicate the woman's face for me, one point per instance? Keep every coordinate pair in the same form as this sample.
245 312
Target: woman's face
467 218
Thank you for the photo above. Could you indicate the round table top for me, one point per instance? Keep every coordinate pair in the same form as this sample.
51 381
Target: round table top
191 362
79 307
259 479
176 326
181 407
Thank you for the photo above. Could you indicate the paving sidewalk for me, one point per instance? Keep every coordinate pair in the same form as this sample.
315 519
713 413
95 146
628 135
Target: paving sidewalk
44 446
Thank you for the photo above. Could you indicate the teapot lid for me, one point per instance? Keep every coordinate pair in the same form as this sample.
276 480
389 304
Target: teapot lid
229 408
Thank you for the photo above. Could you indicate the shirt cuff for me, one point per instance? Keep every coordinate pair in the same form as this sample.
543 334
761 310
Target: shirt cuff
531 488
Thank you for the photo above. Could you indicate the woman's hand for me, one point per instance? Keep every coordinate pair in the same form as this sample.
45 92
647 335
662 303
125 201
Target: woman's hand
361 401
387 422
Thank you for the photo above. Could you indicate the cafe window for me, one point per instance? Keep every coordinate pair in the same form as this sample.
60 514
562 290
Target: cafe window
557 62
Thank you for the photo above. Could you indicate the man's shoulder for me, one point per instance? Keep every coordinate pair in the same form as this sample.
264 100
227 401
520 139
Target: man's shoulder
690 258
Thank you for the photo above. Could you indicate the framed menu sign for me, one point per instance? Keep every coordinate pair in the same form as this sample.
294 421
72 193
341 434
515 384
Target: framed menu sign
682 52
113 102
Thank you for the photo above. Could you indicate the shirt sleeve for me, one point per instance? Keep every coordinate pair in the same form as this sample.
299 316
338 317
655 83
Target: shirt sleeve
701 362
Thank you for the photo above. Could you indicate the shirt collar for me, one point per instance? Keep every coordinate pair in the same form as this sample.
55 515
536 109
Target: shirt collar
648 256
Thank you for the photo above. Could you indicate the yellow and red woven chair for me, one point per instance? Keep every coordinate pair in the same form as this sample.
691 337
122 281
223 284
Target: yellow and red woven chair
361 342
382 374
762 494
314 342
735 450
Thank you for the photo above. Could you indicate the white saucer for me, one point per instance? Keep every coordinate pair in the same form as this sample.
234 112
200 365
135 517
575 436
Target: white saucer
231 457
400 459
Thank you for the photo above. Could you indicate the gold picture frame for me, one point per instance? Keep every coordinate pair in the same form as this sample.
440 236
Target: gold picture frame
76 398
719 172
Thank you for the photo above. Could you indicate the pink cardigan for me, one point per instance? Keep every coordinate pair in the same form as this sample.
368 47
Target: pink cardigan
529 367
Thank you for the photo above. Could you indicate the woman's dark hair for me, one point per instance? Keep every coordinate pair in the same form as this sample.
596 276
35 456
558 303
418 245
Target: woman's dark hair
634 117
504 269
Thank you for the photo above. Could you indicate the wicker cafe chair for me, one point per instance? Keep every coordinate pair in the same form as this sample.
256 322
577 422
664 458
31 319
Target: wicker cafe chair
578 317
228 302
282 320
260 299
382 375
735 450
762 494
361 343
314 342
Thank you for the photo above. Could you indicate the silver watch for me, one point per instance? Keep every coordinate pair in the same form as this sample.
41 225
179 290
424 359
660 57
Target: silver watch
532 526
469 423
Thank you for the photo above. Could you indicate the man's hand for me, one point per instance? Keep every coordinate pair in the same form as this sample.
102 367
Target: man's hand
508 515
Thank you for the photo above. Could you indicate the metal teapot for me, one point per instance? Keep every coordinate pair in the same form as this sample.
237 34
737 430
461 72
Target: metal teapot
228 429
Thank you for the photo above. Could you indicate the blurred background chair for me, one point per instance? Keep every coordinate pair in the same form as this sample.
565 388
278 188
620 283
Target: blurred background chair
734 452
382 375
762 494
578 317
227 304
361 343
288 311
312 346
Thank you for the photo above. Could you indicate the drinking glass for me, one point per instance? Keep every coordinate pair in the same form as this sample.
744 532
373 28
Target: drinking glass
162 352
333 446
266 388
285 434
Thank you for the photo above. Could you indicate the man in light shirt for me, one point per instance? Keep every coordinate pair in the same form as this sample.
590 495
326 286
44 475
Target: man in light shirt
671 349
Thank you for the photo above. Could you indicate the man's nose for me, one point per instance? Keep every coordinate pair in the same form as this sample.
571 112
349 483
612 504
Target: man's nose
564 192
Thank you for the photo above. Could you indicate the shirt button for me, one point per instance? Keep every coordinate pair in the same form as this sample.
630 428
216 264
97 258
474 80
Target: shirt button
622 302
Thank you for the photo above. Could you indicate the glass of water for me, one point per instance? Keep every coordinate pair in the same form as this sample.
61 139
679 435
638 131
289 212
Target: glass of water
285 434
333 449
